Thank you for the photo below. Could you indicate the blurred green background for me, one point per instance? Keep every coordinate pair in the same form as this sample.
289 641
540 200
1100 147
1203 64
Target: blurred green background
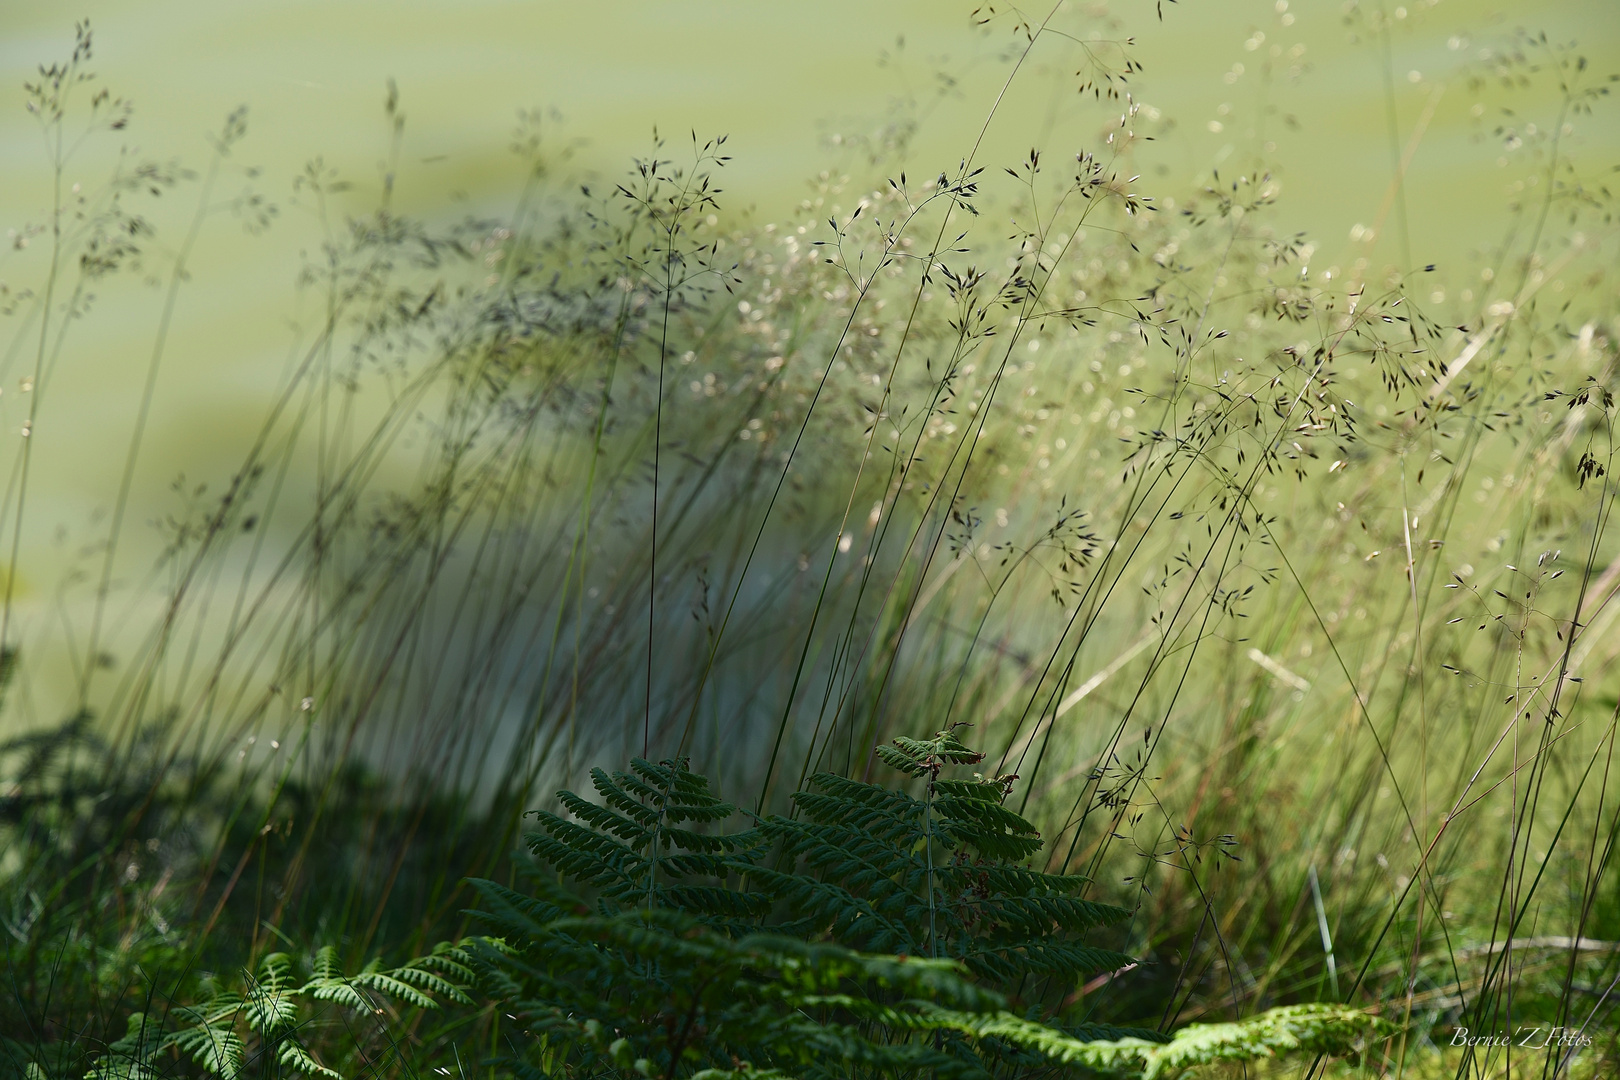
1313 91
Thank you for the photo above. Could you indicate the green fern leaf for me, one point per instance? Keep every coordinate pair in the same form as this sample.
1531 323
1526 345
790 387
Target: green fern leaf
326 963
293 1055
215 1047
389 985
607 819
129 1057
1318 1029
424 979
821 966
896 757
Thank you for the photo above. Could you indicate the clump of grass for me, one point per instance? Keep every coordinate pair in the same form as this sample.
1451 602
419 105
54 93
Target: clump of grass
1284 588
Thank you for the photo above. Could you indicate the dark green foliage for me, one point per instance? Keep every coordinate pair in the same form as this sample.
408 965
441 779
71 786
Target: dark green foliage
765 948
876 935
938 876
869 867
244 1024
633 848
659 993
112 920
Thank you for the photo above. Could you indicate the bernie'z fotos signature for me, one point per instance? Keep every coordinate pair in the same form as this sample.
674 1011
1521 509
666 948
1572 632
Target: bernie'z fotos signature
1531 1038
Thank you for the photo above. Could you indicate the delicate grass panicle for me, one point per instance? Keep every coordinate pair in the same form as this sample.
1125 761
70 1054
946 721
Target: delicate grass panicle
1280 594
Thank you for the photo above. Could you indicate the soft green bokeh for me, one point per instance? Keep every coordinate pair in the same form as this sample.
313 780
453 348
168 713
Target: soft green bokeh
792 85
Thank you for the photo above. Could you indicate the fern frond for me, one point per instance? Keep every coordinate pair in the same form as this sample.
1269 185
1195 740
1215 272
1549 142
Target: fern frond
405 984
687 840
917 756
1051 1043
688 796
390 985
634 822
716 901
339 991
219 1031
212 1045
896 757
293 1055
988 827
275 972
947 746
492 957
1010 879
823 907
129 1056
583 853
1042 956
891 921
330 983
978 788
1101 1032
424 979
450 959
271 1001
221 1006
860 861
326 963
625 793
1321 1029
958 891
885 813
1031 913
699 864
512 913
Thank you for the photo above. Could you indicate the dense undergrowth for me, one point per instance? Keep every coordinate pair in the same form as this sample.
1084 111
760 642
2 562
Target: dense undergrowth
1285 589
